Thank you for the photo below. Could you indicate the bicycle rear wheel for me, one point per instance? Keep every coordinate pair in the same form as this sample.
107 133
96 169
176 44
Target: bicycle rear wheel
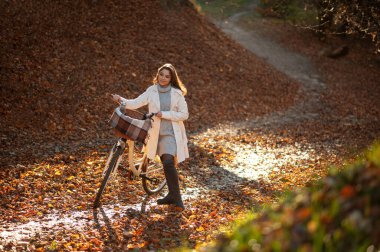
153 176
111 164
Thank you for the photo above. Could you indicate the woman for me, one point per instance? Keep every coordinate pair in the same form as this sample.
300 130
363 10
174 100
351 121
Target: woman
167 137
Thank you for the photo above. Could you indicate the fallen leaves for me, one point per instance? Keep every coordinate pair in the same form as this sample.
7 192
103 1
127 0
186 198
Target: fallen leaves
60 78
63 146
39 192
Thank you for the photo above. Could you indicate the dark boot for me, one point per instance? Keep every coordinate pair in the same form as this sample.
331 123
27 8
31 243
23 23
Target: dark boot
174 195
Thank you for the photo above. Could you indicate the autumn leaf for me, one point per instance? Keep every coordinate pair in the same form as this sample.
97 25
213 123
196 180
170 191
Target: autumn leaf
347 191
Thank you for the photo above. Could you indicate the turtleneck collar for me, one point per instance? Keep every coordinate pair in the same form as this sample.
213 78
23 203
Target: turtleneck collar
163 89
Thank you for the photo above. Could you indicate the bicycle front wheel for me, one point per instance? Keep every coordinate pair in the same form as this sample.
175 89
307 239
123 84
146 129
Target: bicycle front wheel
153 176
112 163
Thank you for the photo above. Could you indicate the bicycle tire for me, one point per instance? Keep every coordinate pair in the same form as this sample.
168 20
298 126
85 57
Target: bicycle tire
152 176
113 162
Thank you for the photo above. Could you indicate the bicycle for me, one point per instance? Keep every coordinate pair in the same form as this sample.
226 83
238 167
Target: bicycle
150 171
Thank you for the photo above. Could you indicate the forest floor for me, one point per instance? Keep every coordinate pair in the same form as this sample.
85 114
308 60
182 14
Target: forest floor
236 166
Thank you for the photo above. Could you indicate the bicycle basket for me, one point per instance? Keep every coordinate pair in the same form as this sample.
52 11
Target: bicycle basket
132 125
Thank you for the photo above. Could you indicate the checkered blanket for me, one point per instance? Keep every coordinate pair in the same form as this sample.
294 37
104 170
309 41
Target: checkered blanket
128 127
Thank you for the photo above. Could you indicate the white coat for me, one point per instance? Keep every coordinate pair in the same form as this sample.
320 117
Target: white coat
177 114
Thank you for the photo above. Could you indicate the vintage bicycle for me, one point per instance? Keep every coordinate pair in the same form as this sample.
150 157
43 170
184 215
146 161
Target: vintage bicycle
131 127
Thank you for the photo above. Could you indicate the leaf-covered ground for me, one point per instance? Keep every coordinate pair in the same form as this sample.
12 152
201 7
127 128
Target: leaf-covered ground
243 154
60 61
49 205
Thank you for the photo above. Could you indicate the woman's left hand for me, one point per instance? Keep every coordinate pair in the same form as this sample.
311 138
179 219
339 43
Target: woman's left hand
115 97
159 114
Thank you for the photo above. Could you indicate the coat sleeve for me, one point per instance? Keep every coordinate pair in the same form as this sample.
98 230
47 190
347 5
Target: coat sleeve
181 114
140 101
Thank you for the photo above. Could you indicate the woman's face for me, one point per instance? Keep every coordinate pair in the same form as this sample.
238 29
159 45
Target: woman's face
164 77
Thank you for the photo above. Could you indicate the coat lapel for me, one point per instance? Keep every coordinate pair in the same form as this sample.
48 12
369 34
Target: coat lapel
174 98
156 99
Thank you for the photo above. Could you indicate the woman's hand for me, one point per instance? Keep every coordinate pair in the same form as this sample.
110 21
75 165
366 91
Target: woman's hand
116 97
159 114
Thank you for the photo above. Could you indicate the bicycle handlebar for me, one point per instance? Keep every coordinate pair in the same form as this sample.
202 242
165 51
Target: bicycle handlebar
150 115
123 106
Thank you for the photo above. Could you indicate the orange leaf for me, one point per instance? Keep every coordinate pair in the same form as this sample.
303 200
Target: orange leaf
347 192
96 241
303 213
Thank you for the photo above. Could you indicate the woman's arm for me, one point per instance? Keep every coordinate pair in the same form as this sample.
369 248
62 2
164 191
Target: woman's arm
140 101
181 115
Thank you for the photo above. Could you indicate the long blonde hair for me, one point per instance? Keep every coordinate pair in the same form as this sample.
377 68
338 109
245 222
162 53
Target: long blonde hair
175 80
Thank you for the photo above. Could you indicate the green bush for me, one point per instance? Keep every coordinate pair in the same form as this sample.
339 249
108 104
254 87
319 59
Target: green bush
341 213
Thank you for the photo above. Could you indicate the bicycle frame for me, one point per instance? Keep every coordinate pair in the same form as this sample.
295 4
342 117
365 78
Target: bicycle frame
134 166
131 161
151 173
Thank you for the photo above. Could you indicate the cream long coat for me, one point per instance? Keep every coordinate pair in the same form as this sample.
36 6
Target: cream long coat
177 114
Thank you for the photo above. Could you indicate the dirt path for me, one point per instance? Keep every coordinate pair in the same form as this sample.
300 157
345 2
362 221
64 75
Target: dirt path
254 161
308 104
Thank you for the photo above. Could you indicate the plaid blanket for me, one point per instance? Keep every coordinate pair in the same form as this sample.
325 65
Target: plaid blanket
128 127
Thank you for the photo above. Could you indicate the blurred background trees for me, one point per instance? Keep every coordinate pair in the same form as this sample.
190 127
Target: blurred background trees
340 17
354 17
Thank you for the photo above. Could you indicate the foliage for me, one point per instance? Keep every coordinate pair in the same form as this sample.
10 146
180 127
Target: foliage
334 16
339 214
361 17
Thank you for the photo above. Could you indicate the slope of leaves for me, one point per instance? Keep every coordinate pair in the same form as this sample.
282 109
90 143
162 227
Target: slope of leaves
338 214
61 60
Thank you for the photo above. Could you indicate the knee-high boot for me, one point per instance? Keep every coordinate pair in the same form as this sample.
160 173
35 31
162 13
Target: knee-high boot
174 195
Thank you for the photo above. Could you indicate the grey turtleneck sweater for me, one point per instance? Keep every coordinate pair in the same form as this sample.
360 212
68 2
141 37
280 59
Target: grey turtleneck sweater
166 141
